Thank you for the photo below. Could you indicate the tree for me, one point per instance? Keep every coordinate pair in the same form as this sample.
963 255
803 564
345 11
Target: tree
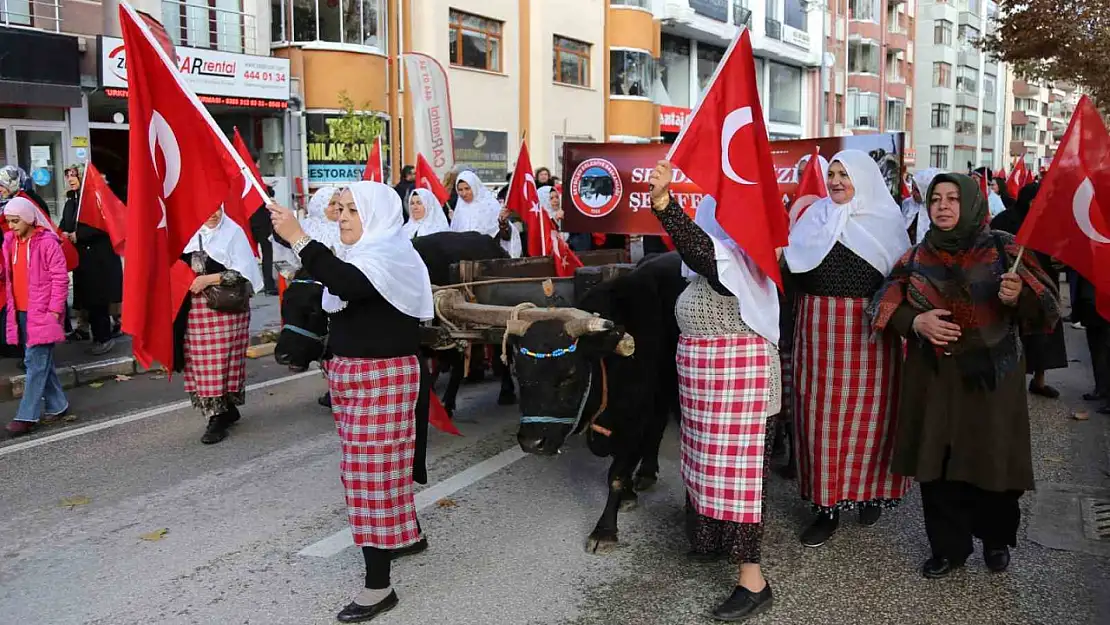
355 131
1063 40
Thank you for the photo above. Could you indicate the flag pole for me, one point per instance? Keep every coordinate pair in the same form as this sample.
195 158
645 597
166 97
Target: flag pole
81 194
1017 261
207 116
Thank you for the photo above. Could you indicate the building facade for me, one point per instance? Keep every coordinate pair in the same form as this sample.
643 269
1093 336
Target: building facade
1037 115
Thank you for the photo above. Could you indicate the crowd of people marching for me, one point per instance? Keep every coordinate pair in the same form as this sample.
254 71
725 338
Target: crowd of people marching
897 351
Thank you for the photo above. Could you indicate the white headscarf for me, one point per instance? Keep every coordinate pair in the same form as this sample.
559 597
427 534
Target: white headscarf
384 255
434 219
482 214
316 223
912 209
228 245
755 292
545 200
870 224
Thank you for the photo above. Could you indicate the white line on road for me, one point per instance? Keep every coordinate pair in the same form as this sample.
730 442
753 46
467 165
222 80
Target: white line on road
137 416
341 540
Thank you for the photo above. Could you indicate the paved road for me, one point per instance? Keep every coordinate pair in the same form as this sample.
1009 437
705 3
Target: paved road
507 531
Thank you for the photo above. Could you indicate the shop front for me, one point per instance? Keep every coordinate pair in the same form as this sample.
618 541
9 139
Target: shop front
334 157
241 91
40 82
484 151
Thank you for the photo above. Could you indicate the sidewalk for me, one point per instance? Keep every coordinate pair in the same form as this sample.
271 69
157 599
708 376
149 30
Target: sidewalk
76 367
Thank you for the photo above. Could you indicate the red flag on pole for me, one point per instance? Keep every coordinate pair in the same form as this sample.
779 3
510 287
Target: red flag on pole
724 149
99 208
810 189
426 178
242 203
1070 218
375 164
1017 178
1001 173
543 237
174 185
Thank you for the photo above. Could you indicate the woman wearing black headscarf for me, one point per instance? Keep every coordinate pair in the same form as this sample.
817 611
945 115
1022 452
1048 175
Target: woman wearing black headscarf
1042 351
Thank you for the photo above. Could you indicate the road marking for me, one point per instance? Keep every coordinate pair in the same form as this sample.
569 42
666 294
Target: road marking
138 416
341 540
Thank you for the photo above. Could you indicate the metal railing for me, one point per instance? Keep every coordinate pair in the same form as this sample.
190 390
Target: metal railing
42 14
741 15
774 29
196 24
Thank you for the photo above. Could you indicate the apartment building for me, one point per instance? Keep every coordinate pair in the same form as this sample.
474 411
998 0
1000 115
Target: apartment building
870 68
960 96
1037 116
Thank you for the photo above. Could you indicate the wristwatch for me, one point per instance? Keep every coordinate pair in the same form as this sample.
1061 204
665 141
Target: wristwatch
299 245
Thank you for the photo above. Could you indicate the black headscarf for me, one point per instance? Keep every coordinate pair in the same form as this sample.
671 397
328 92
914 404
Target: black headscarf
973 214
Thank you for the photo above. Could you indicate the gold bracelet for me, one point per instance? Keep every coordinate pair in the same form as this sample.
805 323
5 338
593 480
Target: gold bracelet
659 208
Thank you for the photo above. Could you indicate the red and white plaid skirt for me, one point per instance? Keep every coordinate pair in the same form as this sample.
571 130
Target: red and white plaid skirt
215 350
725 394
373 401
846 401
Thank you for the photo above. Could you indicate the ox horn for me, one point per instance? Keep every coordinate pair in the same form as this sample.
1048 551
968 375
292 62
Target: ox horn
587 325
517 327
626 347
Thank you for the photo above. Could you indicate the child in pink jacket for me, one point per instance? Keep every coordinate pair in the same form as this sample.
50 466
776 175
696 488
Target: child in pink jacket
33 270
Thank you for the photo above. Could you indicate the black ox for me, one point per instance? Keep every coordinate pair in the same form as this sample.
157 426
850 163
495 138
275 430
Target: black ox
305 324
573 378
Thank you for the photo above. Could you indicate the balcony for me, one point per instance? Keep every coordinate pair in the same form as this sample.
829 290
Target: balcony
1019 118
1023 89
968 56
897 41
208 27
967 17
964 98
990 67
1017 148
41 14
774 29
741 15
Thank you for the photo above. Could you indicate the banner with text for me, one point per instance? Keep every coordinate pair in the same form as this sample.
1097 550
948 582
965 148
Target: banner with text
431 111
331 162
484 151
606 184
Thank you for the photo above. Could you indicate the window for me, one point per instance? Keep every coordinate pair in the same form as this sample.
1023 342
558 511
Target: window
969 5
759 63
795 15
708 58
864 10
353 22
942 32
863 109
863 57
892 24
1042 137
988 87
895 115
643 4
894 67
632 73
968 34
211 24
786 93
475 41
940 116
967 120
988 125
839 109
938 156
967 79
17 12
964 157
572 62
674 71
942 74
1018 131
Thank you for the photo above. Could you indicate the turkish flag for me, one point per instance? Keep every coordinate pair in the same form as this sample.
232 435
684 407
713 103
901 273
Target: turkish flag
174 185
243 199
99 208
438 417
984 188
1070 217
1016 180
724 149
1001 173
426 178
810 189
375 164
68 249
543 237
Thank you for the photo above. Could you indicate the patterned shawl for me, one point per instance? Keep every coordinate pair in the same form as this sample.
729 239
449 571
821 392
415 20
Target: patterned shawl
960 270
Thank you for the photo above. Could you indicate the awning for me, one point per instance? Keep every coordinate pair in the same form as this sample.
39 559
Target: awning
38 94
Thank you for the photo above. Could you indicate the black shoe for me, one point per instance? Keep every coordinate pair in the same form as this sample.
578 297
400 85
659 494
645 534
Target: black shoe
355 613
231 416
413 549
272 292
216 430
997 559
937 568
1095 396
869 514
744 604
1044 390
324 400
822 529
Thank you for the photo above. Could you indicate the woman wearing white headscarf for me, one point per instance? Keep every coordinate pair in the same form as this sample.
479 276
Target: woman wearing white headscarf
320 222
915 211
425 215
377 293
477 210
729 390
211 345
846 385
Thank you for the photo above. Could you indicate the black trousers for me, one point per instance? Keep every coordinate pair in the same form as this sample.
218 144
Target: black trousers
100 322
1098 342
955 512
262 238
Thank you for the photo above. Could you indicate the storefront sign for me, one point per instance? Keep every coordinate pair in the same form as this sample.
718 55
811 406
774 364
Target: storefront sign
795 37
332 162
672 118
713 9
225 77
79 142
431 108
484 151
607 188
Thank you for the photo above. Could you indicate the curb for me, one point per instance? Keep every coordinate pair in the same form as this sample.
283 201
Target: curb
72 376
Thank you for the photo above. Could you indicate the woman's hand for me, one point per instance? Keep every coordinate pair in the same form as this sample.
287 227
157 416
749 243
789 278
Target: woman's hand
1010 289
203 282
559 215
938 331
285 223
660 184
503 216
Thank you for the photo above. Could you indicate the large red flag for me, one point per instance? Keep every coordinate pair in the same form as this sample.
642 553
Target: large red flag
1017 178
1070 218
724 149
99 208
810 189
375 164
543 237
426 178
177 178
242 202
